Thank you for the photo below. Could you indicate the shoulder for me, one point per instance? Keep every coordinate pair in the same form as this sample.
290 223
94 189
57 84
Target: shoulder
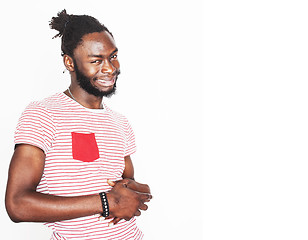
121 121
46 105
115 115
36 126
53 101
44 109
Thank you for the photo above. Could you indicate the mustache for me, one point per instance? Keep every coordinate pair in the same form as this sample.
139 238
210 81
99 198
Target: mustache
114 74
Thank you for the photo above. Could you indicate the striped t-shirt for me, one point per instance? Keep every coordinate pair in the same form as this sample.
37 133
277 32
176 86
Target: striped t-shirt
83 147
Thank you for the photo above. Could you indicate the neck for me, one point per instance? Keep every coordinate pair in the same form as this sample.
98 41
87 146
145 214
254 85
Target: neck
83 98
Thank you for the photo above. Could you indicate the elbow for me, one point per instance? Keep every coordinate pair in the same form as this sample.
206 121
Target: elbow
13 214
13 210
14 219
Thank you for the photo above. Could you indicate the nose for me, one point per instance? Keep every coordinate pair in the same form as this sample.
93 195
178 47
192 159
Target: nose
108 67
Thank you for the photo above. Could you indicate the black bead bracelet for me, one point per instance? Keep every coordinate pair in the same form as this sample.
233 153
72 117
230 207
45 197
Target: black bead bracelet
104 204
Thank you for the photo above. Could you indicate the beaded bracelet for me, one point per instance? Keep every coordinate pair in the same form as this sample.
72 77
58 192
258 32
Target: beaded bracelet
104 204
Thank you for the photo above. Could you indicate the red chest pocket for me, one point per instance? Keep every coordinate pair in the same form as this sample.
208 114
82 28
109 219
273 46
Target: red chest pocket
84 147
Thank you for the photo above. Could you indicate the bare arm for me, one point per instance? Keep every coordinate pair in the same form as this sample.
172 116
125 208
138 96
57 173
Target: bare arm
129 182
129 174
129 168
23 203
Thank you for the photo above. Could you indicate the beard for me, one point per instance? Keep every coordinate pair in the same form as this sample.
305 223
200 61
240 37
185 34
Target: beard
85 84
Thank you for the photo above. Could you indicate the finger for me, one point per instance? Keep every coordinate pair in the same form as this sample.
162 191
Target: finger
101 218
114 221
138 187
109 217
144 188
124 182
145 197
143 207
137 213
117 220
111 183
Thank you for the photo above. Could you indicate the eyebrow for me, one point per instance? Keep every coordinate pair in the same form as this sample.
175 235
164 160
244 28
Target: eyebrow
101 56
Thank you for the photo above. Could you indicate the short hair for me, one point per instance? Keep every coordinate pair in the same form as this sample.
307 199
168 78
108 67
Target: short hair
72 28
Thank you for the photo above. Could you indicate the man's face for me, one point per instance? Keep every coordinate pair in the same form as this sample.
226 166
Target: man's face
96 64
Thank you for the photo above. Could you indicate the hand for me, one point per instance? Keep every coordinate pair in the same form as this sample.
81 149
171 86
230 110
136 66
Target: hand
138 188
131 184
125 202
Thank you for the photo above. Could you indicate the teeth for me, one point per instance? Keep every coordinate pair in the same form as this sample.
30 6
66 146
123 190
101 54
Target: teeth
106 82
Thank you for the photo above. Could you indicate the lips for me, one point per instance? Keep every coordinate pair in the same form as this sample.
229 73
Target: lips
105 82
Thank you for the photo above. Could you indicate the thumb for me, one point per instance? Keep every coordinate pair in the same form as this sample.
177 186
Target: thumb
111 183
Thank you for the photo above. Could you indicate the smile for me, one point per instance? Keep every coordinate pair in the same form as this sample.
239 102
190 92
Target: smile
105 83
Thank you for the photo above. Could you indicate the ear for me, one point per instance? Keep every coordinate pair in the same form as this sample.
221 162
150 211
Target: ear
69 63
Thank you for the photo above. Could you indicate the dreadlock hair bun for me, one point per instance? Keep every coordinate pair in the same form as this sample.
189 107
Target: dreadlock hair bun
72 28
59 23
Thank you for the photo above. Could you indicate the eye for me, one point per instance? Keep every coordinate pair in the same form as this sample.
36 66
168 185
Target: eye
114 56
97 61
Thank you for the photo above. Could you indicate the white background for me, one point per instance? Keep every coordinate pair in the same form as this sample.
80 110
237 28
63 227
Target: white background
216 92
158 90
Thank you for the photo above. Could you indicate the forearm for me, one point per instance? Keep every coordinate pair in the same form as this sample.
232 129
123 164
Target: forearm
24 204
32 206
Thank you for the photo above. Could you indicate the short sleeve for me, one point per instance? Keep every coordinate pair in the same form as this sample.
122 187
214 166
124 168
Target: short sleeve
130 140
35 127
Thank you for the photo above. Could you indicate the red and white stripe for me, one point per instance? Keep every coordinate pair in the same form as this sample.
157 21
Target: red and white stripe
48 124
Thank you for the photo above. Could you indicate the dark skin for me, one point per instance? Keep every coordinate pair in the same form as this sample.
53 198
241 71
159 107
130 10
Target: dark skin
96 59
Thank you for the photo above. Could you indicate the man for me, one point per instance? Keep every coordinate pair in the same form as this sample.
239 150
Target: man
71 167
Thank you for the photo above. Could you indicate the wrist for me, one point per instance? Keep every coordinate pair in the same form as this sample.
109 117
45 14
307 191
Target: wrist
105 205
112 202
